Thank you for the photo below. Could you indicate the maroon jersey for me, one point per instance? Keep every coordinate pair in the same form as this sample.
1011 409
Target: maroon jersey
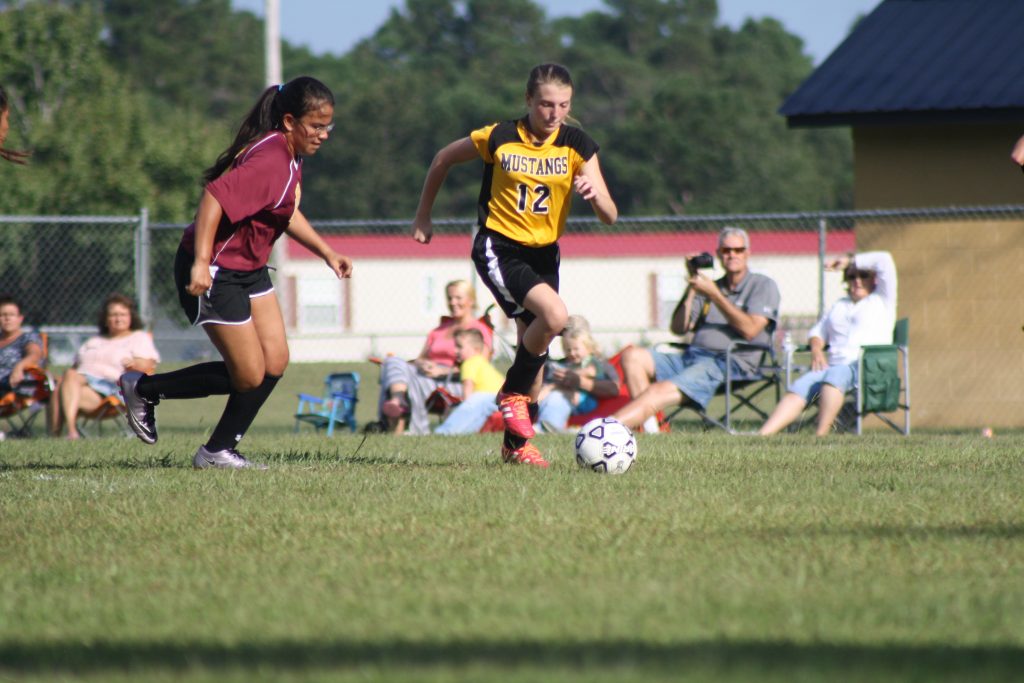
259 194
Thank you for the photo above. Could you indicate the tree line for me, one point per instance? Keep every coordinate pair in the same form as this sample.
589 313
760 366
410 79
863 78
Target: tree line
125 102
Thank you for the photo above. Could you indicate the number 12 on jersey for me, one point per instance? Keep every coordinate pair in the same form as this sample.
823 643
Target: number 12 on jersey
540 201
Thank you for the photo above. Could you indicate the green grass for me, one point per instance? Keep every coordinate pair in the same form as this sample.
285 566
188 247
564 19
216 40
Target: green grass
422 558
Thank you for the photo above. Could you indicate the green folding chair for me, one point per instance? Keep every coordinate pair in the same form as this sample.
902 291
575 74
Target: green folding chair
884 380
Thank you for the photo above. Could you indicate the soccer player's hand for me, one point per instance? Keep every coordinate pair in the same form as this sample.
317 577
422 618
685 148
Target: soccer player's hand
1017 154
422 230
584 187
340 264
201 280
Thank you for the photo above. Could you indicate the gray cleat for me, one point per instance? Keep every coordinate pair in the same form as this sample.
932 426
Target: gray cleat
138 410
228 458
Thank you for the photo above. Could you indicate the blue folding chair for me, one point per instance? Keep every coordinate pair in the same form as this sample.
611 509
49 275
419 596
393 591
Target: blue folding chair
336 407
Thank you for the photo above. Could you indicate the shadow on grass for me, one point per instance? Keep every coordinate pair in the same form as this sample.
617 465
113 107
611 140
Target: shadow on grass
931 662
1000 530
165 461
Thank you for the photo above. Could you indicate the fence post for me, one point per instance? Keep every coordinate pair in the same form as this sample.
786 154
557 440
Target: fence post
822 243
142 246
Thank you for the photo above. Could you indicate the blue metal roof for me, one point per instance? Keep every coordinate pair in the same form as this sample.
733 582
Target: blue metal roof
943 60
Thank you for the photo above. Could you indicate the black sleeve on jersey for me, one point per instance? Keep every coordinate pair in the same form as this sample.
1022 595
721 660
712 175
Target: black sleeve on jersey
502 133
571 136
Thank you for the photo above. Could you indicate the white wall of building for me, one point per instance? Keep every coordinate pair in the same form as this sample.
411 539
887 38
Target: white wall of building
389 305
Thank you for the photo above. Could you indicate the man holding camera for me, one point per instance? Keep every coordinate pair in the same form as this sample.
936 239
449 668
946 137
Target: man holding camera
740 306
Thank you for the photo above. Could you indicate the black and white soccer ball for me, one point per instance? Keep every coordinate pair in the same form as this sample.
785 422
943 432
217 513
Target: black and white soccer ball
605 445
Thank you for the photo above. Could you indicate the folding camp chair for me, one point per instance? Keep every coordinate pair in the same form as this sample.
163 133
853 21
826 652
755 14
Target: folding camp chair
110 411
739 393
337 406
883 385
20 407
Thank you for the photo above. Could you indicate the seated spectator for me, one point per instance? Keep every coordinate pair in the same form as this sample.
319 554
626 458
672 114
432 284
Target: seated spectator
405 385
19 348
481 382
740 306
865 316
573 387
120 346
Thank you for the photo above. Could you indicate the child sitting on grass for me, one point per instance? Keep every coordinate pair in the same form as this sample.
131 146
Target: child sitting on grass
573 386
481 382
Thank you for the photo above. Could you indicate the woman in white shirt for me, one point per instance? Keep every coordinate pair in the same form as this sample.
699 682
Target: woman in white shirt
864 317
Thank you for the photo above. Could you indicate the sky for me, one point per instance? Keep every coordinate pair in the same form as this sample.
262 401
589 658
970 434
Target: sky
337 25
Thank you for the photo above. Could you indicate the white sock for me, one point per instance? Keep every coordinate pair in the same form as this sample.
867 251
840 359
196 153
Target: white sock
651 425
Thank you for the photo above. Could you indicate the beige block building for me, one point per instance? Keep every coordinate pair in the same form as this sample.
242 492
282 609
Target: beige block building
933 126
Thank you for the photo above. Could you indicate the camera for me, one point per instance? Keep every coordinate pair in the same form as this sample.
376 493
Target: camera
702 260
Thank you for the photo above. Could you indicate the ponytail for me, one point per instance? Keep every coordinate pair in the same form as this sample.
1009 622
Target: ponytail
296 97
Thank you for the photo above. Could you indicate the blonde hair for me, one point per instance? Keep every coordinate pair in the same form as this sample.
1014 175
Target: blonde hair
577 327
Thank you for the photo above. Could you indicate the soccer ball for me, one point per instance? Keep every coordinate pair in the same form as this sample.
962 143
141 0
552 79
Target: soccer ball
605 445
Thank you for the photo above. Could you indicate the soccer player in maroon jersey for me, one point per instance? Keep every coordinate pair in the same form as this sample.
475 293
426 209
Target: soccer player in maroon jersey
532 166
251 198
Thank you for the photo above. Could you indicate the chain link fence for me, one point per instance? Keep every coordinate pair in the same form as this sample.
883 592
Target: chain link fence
625 279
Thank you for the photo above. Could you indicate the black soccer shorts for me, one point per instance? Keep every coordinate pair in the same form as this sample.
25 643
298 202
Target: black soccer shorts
510 270
226 302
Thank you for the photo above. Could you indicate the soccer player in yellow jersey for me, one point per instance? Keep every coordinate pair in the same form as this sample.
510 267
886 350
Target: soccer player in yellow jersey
531 167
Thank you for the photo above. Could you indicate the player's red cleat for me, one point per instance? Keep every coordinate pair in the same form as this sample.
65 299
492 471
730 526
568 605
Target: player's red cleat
527 455
516 413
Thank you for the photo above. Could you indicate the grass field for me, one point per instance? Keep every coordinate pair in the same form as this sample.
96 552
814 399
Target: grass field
715 558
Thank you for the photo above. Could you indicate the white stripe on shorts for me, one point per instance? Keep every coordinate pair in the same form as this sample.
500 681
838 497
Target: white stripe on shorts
494 272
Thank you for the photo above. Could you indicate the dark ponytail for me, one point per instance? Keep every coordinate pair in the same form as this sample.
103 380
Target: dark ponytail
12 155
296 97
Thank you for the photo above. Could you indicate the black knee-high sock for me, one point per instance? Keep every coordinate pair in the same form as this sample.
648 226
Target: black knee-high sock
239 413
520 377
195 381
513 442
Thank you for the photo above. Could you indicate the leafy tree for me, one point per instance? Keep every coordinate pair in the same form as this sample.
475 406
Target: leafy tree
196 54
126 101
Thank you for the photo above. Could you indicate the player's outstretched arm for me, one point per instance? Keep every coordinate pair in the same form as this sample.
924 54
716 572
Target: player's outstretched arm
458 152
300 229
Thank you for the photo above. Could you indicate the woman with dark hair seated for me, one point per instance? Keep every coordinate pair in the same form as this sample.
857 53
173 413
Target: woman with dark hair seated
20 349
121 345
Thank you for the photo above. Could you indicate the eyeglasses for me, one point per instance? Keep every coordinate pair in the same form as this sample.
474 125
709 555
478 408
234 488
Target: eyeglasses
732 250
319 130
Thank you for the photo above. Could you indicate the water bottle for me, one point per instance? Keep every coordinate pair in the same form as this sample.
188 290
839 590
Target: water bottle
788 347
787 343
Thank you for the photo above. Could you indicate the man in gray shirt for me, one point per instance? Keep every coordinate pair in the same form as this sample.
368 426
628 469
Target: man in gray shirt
741 306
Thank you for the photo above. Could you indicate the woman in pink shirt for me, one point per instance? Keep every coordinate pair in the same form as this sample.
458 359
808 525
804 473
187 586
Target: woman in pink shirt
122 345
251 198
406 385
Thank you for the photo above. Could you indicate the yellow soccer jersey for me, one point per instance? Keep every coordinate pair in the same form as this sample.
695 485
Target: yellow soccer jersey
527 188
